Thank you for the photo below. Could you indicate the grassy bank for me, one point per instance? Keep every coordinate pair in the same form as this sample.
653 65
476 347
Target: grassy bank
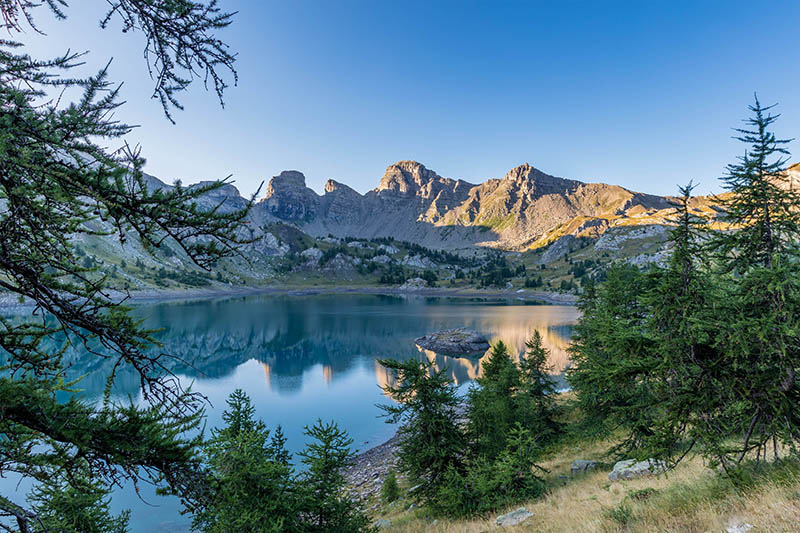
691 498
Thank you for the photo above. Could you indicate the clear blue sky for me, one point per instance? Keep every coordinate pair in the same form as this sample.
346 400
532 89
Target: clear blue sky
642 94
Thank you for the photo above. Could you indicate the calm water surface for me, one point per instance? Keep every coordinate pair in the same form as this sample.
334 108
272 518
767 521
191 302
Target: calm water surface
302 358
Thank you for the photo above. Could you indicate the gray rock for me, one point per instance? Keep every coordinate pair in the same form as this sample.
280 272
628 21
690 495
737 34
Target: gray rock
418 261
312 255
513 518
341 263
581 466
557 250
740 527
382 523
413 284
382 259
631 469
459 341
387 249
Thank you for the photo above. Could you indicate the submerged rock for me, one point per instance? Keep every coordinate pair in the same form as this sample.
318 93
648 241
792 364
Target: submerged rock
459 341
631 469
513 518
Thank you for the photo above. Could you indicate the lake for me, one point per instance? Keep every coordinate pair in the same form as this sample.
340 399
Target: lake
306 357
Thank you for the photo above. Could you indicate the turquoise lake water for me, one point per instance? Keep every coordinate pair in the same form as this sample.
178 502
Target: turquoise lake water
306 357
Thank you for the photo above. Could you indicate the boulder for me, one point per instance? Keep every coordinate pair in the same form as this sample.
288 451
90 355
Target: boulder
418 261
631 469
388 249
382 259
581 466
413 284
513 518
312 255
382 523
459 341
341 263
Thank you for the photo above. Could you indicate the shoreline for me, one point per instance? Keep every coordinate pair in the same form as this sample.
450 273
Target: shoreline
9 301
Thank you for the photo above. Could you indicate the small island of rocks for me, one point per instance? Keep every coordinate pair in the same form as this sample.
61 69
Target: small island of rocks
460 341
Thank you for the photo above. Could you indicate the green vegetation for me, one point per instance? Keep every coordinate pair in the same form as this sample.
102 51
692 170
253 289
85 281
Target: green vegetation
693 363
390 490
253 487
701 355
488 462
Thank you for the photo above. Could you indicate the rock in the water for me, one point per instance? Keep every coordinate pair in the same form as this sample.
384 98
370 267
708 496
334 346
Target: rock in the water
631 469
459 341
581 466
382 523
513 518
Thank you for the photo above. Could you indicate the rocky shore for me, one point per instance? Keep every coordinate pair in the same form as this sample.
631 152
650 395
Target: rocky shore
368 470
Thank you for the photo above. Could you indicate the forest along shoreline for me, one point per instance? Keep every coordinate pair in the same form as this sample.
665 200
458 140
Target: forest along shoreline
11 301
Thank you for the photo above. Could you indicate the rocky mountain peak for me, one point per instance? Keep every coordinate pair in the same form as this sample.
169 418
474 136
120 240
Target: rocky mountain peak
286 180
288 197
332 186
532 181
406 177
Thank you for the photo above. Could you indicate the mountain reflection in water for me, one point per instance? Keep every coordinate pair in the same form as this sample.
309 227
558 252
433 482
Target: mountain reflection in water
304 357
290 335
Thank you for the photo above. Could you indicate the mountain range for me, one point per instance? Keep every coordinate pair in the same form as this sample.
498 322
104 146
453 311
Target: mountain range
527 208
414 220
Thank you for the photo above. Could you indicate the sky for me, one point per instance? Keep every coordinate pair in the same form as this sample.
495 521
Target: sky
641 94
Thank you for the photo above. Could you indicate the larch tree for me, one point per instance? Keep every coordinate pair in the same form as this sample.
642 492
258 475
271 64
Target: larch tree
58 182
759 258
691 372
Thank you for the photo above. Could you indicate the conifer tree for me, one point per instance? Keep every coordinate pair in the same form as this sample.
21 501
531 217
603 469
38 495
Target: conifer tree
610 355
251 485
691 371
492 405
77 506
760 259
537 392
326 508
432 445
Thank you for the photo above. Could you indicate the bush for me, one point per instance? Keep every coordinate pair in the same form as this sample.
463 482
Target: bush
390 490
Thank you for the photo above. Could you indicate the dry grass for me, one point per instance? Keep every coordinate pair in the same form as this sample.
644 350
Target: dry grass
692 498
